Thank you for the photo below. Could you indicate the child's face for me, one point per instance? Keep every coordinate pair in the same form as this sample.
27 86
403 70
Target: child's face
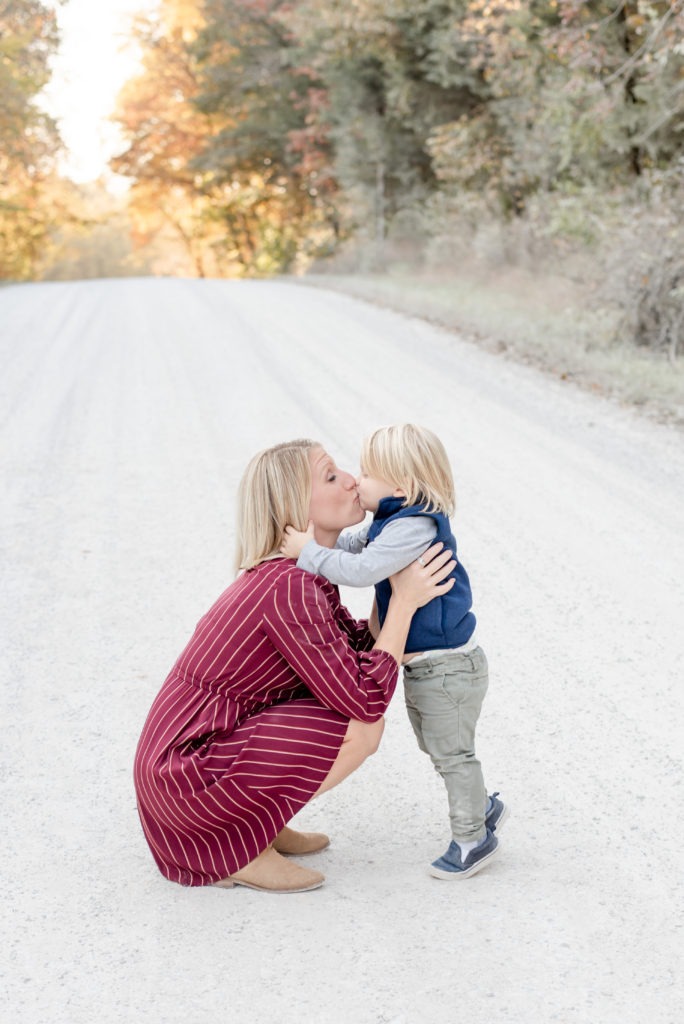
372 489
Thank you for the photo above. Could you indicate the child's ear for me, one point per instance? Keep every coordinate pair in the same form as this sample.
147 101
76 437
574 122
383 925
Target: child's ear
398 493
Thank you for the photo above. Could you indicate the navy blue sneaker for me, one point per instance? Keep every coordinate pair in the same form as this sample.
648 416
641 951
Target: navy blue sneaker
450 865
497 812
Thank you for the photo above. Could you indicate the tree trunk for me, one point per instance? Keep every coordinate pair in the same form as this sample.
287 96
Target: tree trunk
630 86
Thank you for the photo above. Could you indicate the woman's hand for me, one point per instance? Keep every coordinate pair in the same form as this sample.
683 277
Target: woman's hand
414 586
424 579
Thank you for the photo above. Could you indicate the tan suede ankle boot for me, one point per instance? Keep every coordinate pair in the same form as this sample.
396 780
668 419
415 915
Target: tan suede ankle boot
299 843
269 872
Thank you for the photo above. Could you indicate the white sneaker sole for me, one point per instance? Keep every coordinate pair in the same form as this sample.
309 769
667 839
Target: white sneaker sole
468 873
505 814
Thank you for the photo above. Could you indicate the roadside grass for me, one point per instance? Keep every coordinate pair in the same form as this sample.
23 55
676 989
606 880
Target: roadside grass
541 320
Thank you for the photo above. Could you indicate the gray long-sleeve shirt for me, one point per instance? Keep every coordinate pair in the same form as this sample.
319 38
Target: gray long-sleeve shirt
352 563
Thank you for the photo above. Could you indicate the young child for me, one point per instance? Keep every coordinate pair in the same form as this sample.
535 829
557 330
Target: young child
406 483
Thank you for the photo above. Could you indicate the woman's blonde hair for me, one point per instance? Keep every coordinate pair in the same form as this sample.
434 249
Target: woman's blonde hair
414 460
275 492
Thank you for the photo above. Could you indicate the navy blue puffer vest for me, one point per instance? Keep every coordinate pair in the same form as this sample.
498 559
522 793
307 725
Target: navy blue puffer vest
446 621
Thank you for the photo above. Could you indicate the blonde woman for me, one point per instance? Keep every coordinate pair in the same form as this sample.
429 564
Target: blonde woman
278 696
406 482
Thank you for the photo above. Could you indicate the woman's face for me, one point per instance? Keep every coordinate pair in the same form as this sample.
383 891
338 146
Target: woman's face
334 500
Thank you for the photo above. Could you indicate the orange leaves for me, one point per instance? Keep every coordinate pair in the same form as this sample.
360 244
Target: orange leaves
28 139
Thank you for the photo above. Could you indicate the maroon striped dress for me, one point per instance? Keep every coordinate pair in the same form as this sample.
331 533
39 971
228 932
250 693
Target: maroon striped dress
251 718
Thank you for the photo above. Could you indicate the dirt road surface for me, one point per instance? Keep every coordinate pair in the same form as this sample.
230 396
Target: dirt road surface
129 409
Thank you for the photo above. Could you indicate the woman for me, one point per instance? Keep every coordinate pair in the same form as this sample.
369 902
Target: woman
279 694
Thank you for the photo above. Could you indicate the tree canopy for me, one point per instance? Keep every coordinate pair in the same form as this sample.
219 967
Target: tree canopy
28 138
269 130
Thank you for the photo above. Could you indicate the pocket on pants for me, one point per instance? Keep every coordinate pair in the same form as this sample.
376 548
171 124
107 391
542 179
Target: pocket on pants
467 685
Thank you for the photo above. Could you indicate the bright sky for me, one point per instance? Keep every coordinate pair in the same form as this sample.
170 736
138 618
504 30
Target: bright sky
94 61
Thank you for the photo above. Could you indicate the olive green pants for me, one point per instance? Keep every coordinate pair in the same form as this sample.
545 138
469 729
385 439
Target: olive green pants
444 695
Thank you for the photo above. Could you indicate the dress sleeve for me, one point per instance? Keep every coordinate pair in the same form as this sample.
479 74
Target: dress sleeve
357 630
301 625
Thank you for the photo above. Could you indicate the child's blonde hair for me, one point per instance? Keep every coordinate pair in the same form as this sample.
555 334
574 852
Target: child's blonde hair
414 460
275 491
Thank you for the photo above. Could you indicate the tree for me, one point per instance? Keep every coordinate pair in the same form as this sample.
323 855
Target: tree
630 57
28 138
165 131
394 70
267 164
268 130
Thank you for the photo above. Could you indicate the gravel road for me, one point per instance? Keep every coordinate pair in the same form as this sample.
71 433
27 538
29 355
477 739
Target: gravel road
129 409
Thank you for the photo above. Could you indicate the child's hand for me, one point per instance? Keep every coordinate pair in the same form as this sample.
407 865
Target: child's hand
294 541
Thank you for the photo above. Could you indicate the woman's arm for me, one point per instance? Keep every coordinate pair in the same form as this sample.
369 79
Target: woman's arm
301 625
412 588
363 635
374 621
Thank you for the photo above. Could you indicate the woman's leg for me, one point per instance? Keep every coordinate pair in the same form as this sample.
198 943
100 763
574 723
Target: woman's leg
361 740
273 873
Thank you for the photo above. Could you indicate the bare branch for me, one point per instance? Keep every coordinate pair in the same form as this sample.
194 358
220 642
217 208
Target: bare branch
646 45
652 129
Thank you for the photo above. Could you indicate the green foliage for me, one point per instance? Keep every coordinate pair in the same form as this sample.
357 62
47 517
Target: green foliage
516 126
387 87
266 165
